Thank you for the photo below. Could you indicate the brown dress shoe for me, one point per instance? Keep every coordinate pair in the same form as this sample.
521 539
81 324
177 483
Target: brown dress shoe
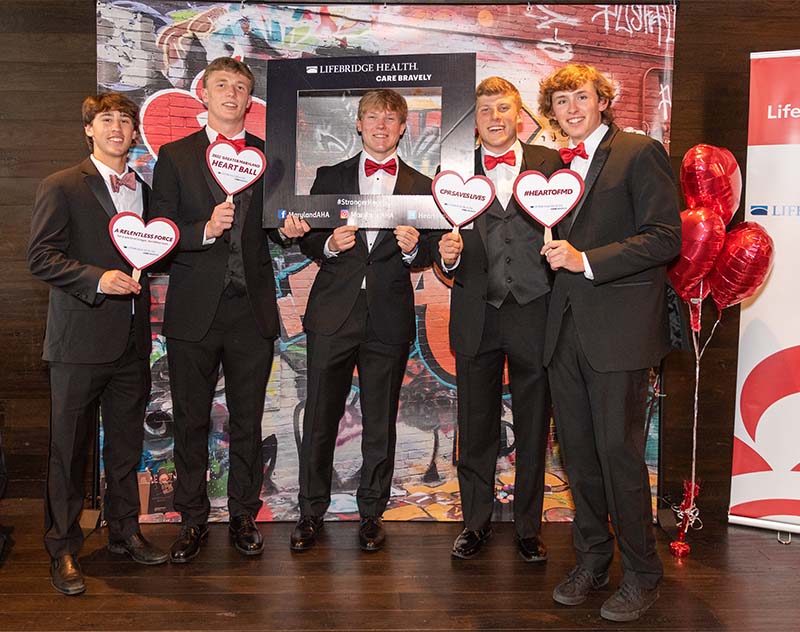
66 575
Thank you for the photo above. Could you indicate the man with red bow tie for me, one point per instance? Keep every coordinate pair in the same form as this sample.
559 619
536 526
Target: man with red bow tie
498 309
97 340
360 313
608 324
220 311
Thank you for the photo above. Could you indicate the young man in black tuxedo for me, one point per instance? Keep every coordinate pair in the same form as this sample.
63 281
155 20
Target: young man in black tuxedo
498 308
220 311
607 325
360 313
97 340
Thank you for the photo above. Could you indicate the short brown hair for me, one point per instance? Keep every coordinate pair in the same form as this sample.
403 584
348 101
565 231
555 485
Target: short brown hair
108 102
493 86
231 65
385 99
572 77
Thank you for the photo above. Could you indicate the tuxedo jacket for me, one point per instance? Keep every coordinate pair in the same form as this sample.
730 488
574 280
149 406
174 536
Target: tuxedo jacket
185 191
629 226
471 277
390 297
70 248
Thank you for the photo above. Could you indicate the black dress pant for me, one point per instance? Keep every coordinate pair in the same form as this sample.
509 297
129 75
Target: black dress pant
122 388
381 367
234 342
515 333
600 420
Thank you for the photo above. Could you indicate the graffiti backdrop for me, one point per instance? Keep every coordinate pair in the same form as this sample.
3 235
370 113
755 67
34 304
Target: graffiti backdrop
155 51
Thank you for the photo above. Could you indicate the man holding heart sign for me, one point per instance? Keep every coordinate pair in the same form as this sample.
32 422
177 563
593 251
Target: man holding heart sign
98 338
220 310
607 325
498 309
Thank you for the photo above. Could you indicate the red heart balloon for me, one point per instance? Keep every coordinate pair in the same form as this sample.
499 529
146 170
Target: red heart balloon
742 266
702 237
710 178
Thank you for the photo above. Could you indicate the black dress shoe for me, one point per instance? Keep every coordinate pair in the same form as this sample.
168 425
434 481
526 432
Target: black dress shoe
66 575
245 535
187 545
532 549
304 535
469 543
371 534
139 550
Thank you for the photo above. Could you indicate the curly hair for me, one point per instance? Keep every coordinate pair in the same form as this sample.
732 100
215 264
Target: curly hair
572 77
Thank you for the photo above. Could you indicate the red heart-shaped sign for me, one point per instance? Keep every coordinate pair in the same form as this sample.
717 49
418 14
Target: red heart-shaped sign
548 200
142 245
234 170
462 201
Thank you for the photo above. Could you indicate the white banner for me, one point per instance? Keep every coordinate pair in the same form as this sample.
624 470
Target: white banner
765 483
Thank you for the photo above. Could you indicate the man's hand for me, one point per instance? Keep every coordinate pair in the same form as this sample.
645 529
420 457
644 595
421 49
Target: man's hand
407 238
294 227
561 254
221 220
343 238
450 247
117 282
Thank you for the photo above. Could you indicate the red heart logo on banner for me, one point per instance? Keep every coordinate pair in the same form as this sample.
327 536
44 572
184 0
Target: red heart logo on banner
462 201
142 245
234 170
548 200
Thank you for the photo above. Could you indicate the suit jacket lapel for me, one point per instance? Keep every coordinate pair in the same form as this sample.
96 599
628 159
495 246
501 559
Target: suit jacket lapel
98 187
598 162
145 198
201 146
480 221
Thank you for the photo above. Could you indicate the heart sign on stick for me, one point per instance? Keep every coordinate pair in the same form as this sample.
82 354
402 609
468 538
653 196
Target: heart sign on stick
462 201
141 245
234 170
548 201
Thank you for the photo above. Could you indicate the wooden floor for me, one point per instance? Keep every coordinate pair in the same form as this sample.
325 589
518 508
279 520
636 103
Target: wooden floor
735 579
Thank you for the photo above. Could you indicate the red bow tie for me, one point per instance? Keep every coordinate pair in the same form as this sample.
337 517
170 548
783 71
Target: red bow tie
239 143
509 158
128 180
567 154
370 167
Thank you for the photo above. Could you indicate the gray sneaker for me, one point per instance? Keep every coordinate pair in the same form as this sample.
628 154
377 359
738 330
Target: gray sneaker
629 603
576 587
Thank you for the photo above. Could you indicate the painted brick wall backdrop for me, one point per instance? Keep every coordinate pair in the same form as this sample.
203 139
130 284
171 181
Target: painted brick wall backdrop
49 48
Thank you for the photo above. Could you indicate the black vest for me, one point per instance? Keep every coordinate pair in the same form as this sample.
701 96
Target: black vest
513 243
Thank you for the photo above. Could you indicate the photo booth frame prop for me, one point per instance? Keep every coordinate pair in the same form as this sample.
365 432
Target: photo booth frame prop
292 79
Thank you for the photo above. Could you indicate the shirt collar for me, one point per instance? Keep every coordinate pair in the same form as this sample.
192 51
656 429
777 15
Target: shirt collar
212 134
105 171
365 155
516 147
593 141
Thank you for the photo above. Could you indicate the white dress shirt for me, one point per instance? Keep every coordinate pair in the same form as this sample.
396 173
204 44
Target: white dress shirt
581 167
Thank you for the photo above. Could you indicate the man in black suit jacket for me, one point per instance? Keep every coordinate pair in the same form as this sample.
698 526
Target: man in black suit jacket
607 325
220 310
498 308
97 340
360 313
